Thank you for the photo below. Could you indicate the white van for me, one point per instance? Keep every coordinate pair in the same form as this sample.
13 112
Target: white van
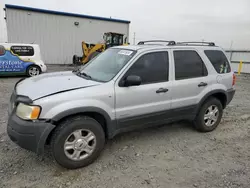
21 59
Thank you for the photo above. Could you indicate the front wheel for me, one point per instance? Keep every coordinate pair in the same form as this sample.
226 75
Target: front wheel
209 116
77 142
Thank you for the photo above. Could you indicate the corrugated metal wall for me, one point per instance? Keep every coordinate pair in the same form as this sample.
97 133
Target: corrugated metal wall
3 30
245 67
236 57
58 37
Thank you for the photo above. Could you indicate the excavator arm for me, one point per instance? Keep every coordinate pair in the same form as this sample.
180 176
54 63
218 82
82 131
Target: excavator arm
85 49
89 52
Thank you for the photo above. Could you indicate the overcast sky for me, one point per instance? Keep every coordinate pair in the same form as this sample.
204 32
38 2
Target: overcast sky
221 21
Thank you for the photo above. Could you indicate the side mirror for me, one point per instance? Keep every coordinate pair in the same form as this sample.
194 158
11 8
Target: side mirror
132 80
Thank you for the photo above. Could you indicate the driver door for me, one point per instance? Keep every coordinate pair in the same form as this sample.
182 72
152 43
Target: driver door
149 103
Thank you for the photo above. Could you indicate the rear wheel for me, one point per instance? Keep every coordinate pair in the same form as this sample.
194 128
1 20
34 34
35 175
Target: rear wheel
77 142
33 70
209 115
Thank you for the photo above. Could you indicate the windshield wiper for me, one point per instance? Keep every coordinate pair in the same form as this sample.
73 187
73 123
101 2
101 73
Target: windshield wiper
83 74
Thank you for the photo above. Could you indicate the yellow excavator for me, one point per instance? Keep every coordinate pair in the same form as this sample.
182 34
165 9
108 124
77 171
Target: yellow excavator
92 50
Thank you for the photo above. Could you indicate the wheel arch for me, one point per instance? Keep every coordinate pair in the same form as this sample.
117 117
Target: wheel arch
34 65
221 95
96 113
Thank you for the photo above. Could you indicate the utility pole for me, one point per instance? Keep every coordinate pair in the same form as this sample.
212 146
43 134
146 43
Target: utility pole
134 38
231 53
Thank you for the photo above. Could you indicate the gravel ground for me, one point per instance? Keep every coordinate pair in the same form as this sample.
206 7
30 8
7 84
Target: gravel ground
169 156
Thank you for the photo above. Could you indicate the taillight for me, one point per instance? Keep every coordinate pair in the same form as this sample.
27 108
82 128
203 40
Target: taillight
234 79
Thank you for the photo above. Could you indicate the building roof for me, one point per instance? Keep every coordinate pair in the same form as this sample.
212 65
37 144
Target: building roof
65 13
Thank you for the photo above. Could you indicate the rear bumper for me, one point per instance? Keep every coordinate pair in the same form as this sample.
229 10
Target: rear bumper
230 95
28 134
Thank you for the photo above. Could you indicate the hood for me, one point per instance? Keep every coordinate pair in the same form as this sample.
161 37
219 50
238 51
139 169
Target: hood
51 83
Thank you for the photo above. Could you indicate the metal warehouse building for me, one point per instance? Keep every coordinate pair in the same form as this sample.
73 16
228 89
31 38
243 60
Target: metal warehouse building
59 34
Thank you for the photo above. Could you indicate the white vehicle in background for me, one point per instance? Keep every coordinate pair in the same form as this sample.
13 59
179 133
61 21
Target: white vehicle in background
21 59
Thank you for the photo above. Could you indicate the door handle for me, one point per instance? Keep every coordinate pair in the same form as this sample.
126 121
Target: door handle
202 84
162 90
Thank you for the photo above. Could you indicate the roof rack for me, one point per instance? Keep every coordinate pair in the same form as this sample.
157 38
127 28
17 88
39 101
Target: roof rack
171 43
149 41
197 43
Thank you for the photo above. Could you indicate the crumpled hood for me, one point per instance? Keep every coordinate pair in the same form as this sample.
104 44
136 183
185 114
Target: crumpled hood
51 83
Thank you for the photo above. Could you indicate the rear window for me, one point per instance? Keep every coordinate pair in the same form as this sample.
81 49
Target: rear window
2 50
22 50
218 60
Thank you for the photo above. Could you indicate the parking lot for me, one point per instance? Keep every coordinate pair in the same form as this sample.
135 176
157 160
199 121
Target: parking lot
170 156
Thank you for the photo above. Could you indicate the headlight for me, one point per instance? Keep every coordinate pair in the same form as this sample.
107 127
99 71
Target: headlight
28 112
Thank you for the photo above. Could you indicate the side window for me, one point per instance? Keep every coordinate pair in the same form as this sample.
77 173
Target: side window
188 64
22 50
2 50
151 67
218 60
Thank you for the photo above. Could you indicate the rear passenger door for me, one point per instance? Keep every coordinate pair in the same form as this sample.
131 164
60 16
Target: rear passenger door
190 80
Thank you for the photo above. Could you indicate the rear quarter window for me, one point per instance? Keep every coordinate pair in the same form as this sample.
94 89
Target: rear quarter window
218 60
22 50
2 50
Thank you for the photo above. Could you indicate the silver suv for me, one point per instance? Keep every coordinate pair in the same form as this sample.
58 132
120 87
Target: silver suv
122 89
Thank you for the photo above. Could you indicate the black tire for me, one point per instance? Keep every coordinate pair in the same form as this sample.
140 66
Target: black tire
76 60
65 129
33 67
200 122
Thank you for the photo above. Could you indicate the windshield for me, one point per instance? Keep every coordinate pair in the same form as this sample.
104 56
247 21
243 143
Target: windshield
106 65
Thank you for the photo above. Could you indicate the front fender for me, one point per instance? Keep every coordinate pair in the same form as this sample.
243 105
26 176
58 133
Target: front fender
75 107
81 110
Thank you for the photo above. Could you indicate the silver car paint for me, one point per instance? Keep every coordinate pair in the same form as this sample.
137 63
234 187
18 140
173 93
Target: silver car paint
47 84
143 99
122 102
100 96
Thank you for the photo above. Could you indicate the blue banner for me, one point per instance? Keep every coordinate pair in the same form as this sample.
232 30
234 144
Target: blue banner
12 63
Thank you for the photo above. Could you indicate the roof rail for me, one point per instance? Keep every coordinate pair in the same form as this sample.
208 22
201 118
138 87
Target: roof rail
148 41
197 43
